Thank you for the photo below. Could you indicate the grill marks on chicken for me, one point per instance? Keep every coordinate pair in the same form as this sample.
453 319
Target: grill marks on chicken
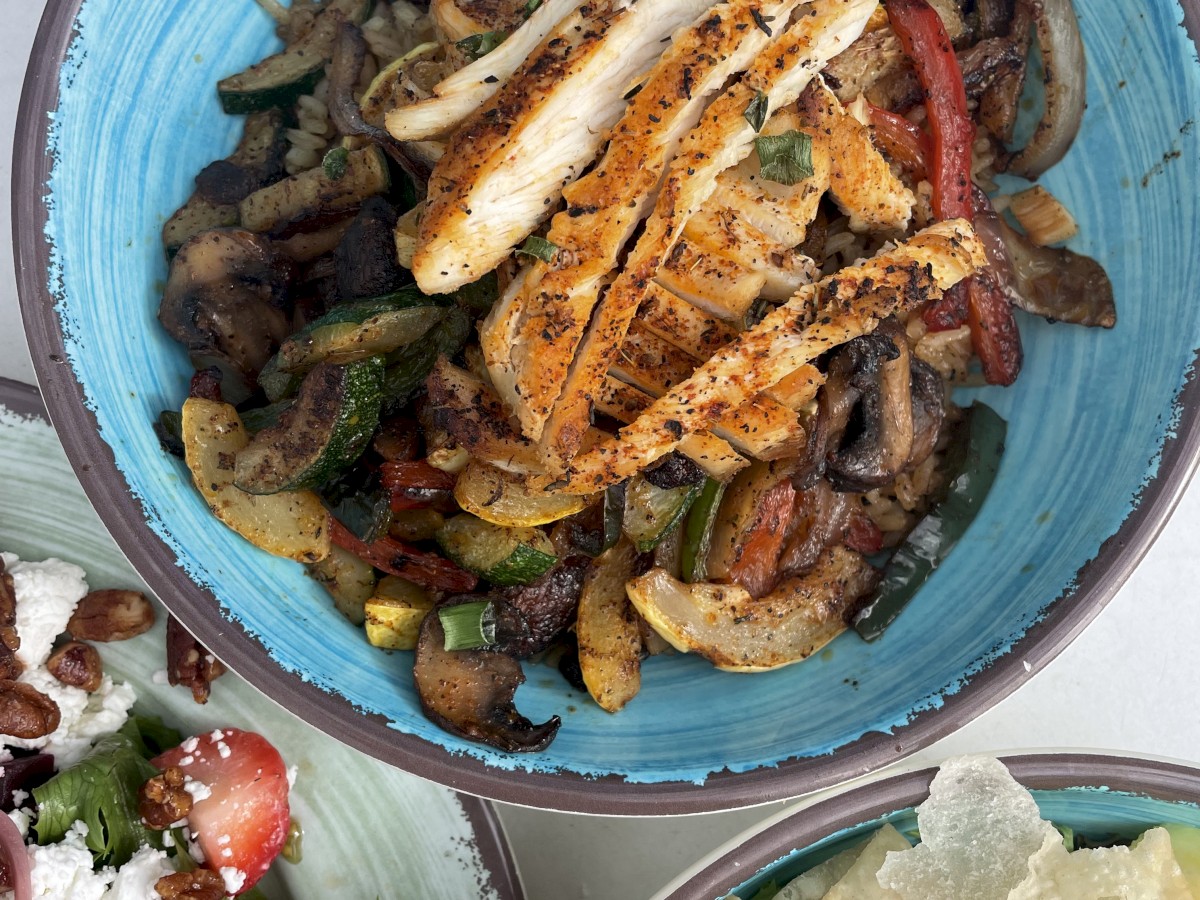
531 338
783 345
722 139
505 168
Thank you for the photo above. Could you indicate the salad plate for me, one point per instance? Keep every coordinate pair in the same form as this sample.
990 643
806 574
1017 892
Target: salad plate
1099 796
1104 434
369 829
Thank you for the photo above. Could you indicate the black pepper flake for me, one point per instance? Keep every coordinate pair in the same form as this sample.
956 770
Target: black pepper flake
686 85
655 119
761 21
675 427
491 79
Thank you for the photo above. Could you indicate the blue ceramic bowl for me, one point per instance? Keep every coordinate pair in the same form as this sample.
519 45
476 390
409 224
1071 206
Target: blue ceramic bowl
1098 796
119 113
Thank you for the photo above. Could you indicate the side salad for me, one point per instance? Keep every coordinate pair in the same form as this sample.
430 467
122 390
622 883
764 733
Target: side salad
101 803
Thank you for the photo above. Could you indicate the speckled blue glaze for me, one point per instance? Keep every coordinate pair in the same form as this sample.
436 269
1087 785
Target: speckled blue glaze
139 117
1092 811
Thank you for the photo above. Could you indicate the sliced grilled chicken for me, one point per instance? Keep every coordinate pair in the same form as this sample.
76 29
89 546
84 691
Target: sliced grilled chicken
457 19
714 282
719 231
852 302
765 428
692 330
861 181
506 166
722 139
463 92
605 206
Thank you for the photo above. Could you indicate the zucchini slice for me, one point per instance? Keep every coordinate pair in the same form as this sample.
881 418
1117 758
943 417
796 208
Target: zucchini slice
395 613
354 331
293 524
280 79
261 151
349 580
503 556
315 195
698 530
321 435
651 513
504 499
409 366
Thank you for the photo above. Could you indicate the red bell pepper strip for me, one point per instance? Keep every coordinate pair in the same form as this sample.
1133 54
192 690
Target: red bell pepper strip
924 40
405 561
862 534
979 302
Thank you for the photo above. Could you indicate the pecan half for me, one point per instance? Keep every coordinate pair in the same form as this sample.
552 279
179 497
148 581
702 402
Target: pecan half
25 712
188 663
111 616
162 800
77 664
198 884
10 641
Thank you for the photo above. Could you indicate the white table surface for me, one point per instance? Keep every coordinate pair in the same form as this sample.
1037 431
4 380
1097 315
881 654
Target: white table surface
1126 684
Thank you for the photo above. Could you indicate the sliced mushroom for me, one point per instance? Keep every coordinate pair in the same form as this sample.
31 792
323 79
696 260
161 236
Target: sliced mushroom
548 604
366 256
928 410
878 440
470 692
226 298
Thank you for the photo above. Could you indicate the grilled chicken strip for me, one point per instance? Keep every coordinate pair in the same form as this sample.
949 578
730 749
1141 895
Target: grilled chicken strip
848 304
529 344
506 166
722 139
463 92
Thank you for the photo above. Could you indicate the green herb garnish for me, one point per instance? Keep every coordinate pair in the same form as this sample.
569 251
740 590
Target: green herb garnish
101 791
531 7
756 111
335 162
785 158
477 46
469 626
538 248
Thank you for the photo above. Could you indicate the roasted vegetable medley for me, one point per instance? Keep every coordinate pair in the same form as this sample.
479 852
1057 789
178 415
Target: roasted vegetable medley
589 332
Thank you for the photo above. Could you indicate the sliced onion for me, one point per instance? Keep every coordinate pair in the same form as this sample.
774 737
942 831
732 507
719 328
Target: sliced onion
16 859
1066 89
349 53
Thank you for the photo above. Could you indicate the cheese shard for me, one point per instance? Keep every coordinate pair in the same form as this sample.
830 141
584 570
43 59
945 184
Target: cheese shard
978 830
1147 870
860 881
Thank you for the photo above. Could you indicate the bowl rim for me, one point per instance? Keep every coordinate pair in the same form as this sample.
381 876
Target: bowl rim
93 461
804 824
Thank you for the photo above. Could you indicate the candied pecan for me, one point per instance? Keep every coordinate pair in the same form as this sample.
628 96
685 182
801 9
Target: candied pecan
198 884
77 664
111 616
25 712
162 800
10 641
188 663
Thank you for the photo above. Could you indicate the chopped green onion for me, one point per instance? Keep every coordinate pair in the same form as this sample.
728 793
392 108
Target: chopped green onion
785 158
335 162
538 248
756 111
469 626
476 46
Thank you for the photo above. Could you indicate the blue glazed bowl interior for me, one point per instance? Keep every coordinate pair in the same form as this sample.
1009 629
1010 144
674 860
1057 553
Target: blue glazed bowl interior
138 117
1093 812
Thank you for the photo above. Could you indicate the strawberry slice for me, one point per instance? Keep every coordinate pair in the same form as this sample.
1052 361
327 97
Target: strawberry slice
243 822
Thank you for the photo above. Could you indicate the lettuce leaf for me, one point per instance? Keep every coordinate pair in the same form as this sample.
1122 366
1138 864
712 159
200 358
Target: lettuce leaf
101 790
